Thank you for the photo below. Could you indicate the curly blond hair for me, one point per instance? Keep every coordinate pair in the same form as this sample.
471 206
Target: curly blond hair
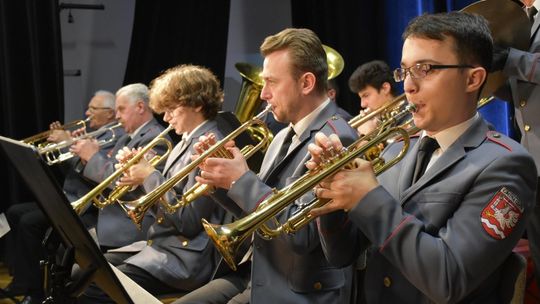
186 85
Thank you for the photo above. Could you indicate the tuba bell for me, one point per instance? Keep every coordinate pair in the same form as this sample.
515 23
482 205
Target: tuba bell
509 27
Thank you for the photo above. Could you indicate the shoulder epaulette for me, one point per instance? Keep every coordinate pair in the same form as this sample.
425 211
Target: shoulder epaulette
496 137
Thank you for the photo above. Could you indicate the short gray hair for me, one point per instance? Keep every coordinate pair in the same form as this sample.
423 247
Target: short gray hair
108 98
135 92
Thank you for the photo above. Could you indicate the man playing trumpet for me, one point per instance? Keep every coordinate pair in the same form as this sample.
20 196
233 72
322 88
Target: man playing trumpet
443 221
374 85
28 223
114 227
177 255
292 268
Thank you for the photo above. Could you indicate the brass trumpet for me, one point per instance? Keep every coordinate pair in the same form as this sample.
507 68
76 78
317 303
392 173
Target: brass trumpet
95 195
40 139
53 154
137 208
386 111
227 238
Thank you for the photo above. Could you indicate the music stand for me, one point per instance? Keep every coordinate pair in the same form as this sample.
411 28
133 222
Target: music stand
65 221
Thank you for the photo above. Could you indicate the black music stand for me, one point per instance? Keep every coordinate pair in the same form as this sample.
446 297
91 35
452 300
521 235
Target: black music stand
65 222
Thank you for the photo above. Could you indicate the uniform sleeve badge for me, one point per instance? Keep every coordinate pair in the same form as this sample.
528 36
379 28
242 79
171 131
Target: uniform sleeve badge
501 214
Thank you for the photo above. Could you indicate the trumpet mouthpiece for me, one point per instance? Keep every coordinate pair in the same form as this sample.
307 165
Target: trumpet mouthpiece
412 108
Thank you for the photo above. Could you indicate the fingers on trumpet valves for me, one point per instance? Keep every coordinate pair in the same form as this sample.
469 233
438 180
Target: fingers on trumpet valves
150 154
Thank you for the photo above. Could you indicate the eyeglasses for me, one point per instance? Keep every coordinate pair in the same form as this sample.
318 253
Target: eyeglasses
420 70
93 109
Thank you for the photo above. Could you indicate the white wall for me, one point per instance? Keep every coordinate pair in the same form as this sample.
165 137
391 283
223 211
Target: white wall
96 43
249 23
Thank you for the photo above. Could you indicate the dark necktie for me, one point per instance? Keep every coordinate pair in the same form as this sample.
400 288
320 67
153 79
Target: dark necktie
531 12
427 146
284 147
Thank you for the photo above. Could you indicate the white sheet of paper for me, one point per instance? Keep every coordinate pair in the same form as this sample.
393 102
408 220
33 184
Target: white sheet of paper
4 225
135 292
133 247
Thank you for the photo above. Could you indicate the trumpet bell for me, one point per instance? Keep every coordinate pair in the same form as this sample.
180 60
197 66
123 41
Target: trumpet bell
226 241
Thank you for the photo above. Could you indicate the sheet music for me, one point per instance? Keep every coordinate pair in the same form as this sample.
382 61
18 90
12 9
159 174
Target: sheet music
133 247
4 225
137 294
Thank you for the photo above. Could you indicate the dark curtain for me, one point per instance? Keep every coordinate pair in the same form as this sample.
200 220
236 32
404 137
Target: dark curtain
353 28
362 31
31 79
169 33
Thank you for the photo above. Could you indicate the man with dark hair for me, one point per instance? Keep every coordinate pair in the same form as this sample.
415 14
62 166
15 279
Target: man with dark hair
375 86
288 268
443 221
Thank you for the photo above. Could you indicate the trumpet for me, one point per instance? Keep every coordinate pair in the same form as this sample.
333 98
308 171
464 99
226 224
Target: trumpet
386 111
40 139
227 238
136 209
53 154
95 195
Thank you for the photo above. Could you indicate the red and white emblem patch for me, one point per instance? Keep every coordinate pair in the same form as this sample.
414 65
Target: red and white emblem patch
502 214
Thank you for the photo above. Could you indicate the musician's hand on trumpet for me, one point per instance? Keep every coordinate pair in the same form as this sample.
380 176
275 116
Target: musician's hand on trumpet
345 188
85 148
58 134
368 126
55 125
136 174
219 171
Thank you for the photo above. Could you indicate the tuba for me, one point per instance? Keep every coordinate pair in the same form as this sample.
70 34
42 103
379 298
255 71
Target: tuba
512 30
335 62
136 209
53 154
95 195
40 140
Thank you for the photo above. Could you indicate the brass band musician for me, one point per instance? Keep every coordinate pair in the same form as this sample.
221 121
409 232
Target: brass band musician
177 255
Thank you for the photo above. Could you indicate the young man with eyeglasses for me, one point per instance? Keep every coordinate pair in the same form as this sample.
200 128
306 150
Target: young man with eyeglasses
441 235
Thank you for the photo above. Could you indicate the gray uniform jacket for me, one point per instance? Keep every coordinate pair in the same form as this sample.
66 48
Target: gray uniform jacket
523 70
75 184
178 252
292 268
444 238
523 90
115 228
